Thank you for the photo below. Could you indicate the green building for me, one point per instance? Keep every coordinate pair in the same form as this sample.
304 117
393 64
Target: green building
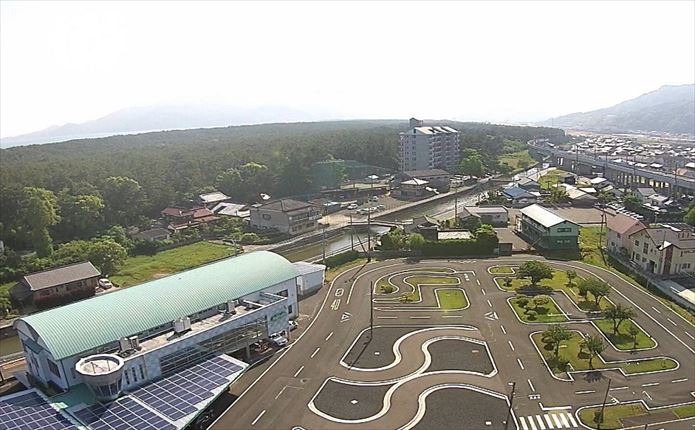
543 229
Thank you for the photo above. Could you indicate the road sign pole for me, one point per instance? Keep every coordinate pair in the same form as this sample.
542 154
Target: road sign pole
511 402
371 307
603 406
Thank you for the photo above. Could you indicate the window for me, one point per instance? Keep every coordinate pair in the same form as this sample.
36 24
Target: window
289 309
142 372
645 248
564 229
685 266
618 235
127 378
53 368
636 242
266 216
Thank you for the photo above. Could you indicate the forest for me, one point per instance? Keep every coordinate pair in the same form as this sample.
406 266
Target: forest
82 189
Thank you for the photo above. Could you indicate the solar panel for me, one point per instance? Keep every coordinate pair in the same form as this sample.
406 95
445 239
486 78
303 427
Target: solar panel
122 414
177 395
31 411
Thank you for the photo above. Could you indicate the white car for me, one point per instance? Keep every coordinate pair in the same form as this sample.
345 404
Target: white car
293 325
105 283
374 199
352 206
278 340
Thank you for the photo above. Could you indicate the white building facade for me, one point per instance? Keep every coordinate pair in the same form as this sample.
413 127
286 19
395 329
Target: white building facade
424 147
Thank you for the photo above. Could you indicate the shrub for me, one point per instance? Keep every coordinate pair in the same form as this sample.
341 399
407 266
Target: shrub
387 289
248 238
342 258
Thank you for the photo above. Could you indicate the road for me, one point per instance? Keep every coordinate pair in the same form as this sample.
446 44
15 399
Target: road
291 390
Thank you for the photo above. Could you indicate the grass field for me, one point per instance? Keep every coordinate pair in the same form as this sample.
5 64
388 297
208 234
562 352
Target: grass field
502 270
142 268
517 160
613 414
416 280
335 271
579 360
451 299
551 178
622 340
549 313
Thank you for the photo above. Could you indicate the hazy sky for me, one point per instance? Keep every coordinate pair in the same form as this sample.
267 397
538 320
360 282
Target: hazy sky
497 61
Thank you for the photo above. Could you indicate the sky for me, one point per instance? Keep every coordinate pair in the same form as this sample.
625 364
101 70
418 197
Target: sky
66 62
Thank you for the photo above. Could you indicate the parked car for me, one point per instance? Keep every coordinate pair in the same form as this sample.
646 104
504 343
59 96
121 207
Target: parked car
293 325
381 207
278 340
374 199
352 206
105 283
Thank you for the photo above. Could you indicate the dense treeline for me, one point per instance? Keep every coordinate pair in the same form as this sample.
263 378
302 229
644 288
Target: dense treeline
79 189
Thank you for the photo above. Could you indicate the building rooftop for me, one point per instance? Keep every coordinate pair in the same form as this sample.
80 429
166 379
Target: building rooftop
543 216
285 205
304 268
623 224
486 209
415 181
151 233
516 192
454 235
88 324
61 275
213 197
231 209
426 173
443 129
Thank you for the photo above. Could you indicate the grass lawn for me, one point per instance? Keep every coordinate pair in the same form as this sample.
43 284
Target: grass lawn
546 314
332 273
516 160
502 270
551 178
452 299
579 360
416 280
559 282
142 268
622 340
613 414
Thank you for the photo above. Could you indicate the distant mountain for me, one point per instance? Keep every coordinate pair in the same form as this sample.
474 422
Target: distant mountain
164 117
670 109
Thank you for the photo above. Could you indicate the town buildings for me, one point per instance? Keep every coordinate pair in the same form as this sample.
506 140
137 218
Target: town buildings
57 286
664 250
428 147
286 216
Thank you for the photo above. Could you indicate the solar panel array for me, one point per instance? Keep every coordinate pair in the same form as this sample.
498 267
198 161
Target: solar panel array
122 414
30 412
177 395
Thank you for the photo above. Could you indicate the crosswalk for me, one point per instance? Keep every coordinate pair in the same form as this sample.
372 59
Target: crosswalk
555 420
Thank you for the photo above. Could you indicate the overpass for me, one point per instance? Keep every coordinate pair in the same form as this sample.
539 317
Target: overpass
621 174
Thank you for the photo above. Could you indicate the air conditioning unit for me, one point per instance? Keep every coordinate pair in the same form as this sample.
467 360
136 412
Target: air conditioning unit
134 343
231 307
124 345
186 323
182 324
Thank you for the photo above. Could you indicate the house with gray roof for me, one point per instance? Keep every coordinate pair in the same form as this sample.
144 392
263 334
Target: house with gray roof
57 286
546 230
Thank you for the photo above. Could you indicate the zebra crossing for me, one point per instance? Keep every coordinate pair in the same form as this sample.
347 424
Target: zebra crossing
555 420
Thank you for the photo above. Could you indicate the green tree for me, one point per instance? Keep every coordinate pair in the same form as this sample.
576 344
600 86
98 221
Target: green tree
555 335
593 346
416 241
81 216
124 200
507 282
40 210
118 234
5 306
471 223
522 302
633 331
472 163
689 217
598 289
631 201
618 314
558 195
535 270
571 276
486 237
107 255
541 300
605 197
246 182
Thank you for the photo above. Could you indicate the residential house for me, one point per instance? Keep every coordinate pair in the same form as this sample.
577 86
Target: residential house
236 210
437 178
620 227
210 200
657 200
413 188
497 216
665 250
519 197
578 197
425 225
568 178
528 184
543 229
286 216
153 234
644 192
57 286
182 218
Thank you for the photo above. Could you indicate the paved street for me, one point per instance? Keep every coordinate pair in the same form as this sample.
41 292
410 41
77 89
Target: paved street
338 374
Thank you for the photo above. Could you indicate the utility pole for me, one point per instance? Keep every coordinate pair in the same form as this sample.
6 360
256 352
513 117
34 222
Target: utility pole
371 308
352 237
323 242
511 402
603 406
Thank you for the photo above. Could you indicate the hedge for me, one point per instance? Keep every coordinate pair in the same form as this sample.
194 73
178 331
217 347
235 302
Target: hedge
342 258
456 247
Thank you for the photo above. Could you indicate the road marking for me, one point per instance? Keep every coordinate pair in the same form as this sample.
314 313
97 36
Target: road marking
478 281
503 329
281 391
672 321
253 423
518 360
511 345
548 421
339 292
420 318
558 424
329 336
523 423
452 316
574 422
315 352
335 305
483 290
647 394
656 310
585 392
689 335
651 384
345 316
488 303
298 371
564 421
531 423
492 316
540 422
619 388
675 381
388 317
530 384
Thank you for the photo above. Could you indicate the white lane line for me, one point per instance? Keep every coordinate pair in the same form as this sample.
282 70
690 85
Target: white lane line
452 316
483 290
619 388
558 424
540 422
329 336
488 303
672 322
518 360
651 384
523 423
420 318
531 423
656 310
572 420
530 384
388 317
478 281
281 391
647 394
253 423
548 421
689 335
675 381
298 371
585 392
315 352
503 329
511 345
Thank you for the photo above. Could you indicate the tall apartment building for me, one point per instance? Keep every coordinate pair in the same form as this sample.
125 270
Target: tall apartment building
428 147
